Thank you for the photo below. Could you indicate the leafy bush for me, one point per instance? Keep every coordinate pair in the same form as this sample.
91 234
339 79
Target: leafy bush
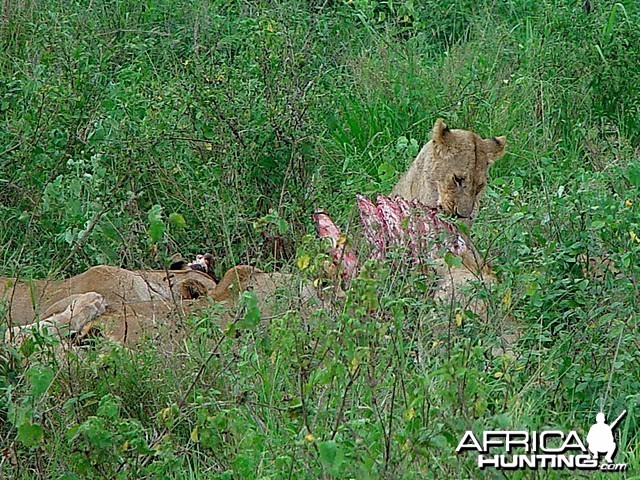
132 130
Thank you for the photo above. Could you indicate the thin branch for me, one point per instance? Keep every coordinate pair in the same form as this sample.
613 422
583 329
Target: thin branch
344 401
132 30
204 364
11 148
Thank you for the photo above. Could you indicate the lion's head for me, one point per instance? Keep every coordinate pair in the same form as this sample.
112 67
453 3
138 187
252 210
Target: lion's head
460 163
451 171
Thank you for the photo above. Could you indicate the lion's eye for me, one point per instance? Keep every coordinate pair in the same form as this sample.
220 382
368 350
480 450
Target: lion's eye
458 180
481 186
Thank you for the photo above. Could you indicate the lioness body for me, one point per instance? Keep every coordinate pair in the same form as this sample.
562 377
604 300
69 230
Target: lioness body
32 299
128 306
450 171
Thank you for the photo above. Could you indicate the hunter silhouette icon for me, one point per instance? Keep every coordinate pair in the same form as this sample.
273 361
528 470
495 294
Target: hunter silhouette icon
600 437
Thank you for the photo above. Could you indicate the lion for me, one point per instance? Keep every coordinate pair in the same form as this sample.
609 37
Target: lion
451 171
131 306
32 299
71 306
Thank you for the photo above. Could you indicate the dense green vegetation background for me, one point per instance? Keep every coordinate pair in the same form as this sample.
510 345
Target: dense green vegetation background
245 116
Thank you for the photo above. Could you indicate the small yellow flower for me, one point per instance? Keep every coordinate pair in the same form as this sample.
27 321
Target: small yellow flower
628 203
309 438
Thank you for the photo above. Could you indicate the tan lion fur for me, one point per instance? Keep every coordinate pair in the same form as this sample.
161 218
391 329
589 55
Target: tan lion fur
67 316
130 306
451 171
32 299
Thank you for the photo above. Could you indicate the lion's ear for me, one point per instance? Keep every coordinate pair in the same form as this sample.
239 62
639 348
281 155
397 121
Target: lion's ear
494 147
439 130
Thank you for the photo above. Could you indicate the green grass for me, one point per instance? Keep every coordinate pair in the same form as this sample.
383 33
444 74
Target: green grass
244 117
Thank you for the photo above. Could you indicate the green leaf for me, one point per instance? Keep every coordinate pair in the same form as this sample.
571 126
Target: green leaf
252 312
283 226
634 174
386 171
95 430
156 225
97 135
303 261
30 434
414 147
72 433
598 224
244 465
109 405
328 451
28 347
330 455
517 182
40 378
402 143
531 288
452 260
177 220
463 227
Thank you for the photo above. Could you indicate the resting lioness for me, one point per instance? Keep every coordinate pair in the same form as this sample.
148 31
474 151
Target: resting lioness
28 300
451 171
128 306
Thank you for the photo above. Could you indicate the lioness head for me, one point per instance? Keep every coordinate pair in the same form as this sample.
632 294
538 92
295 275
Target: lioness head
458 168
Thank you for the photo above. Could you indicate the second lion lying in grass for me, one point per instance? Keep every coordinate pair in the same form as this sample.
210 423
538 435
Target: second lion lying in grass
128 306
